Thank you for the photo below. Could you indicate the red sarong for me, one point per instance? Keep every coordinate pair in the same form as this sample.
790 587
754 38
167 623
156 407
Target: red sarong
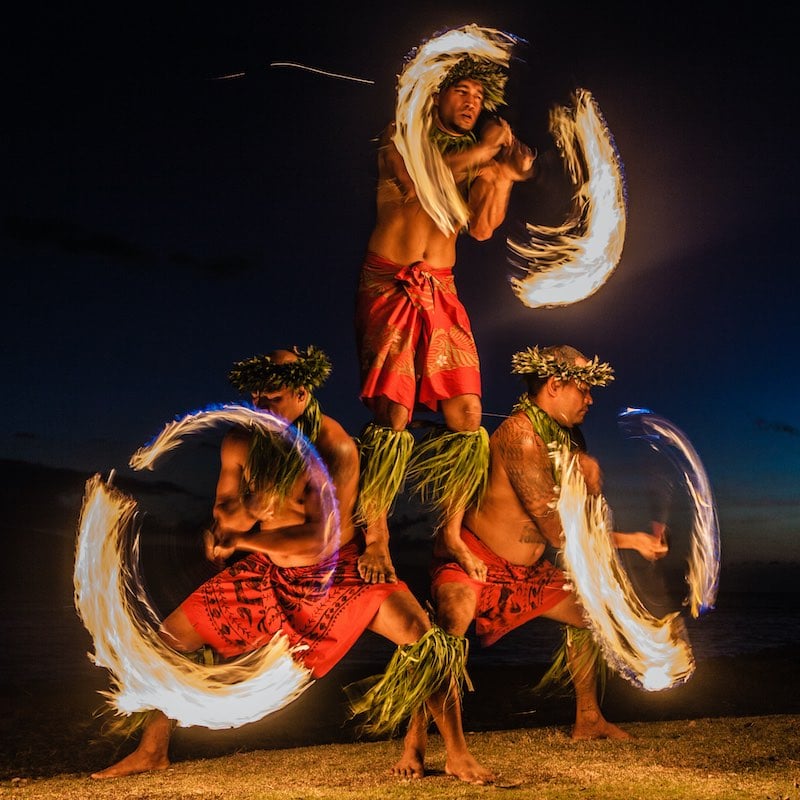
325 607
414 338
512 594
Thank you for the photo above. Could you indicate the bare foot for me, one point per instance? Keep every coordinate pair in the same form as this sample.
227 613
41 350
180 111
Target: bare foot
467 769
375 564
598 729
131 765
410 766
151 754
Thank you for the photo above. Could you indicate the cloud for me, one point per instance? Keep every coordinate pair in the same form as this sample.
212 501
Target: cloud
216 267
778 427
71 238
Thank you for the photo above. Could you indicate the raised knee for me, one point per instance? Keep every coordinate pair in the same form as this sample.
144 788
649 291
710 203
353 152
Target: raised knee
455 608
463 413
389 414
178 633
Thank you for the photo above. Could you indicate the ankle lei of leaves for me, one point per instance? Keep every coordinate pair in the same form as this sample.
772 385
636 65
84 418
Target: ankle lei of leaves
448 470
384 456
564 672
436 661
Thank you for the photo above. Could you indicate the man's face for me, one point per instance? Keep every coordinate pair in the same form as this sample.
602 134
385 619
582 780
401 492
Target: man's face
459 106
573 400
286 403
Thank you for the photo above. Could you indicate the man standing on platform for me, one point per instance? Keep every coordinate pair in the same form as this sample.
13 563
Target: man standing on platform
414 338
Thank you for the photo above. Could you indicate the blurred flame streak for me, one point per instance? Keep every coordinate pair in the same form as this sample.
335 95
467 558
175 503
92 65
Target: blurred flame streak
651 653
414 116
147 674
318 71
306 68
570 262
704 558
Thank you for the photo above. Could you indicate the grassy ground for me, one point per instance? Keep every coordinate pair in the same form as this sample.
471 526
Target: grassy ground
704 759
733 731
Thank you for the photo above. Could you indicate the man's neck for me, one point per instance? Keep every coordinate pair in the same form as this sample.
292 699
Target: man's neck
447 131
448 142
544 423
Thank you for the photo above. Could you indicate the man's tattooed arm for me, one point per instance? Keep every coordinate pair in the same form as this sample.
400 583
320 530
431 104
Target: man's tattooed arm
527 463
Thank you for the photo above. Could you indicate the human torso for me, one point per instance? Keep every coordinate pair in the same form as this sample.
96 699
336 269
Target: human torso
405 234
311 499
501 521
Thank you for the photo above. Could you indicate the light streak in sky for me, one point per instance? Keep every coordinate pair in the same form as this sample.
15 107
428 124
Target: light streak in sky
652 653
434 183
320 71
114 608
704 559
305 67
569 262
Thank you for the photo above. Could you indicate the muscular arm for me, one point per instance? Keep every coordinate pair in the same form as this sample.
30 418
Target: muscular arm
340 456
231 515
647 545
310 537
495 135
490 192
304 540
252 523
527 463
391 166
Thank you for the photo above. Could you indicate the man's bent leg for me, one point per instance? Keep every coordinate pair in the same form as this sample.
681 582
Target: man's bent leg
589 720
463 414
445 708
455 609
152 752
582 657
402 620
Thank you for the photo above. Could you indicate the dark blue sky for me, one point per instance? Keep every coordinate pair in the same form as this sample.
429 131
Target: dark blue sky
160 224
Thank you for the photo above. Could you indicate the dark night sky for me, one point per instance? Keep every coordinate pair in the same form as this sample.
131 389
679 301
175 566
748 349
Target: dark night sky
160 224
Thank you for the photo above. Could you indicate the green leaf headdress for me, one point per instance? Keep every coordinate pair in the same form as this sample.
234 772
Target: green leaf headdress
275 462
533 361
261 373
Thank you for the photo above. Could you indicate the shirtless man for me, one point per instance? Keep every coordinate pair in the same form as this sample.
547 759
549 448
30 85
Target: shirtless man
278 522
515 522
414 338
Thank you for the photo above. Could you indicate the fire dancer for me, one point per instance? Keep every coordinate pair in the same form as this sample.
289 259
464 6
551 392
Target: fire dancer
415 343
298 579
515 522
